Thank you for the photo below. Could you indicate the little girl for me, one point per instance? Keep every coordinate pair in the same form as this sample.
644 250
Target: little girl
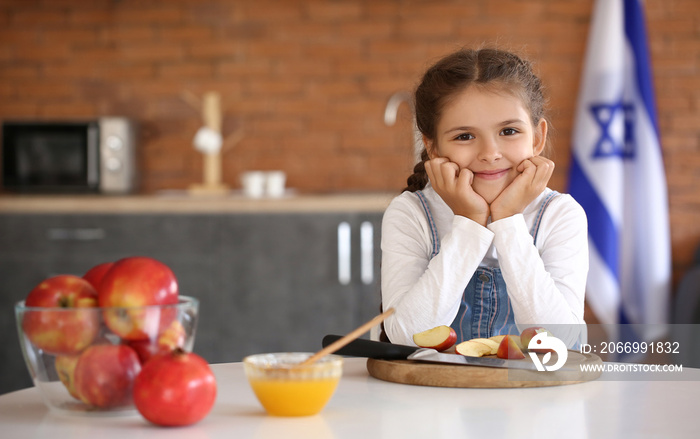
477 241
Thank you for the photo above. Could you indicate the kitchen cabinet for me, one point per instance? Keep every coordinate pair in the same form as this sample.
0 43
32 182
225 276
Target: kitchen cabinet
281 285
266 281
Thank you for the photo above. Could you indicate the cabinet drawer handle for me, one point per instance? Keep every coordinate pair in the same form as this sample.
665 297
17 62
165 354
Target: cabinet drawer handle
367 253
344 253
58 234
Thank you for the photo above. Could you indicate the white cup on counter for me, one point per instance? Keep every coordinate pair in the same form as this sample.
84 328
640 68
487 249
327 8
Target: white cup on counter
257 184
253 184
274 183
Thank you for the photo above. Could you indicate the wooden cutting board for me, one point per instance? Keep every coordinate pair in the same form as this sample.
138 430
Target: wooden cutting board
448 375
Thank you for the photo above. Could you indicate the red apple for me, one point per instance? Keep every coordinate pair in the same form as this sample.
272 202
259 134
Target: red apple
439 338
528 333
138 282
508 348
71 323
172 338
65 368
105 374
175 389
96 273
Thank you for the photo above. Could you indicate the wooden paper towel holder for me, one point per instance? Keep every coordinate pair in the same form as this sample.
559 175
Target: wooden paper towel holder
210 107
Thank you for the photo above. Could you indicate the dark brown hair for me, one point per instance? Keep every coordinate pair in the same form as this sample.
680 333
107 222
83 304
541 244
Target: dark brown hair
484 67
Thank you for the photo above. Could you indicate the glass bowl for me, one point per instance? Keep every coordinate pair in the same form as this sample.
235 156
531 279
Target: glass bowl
84 360
284 388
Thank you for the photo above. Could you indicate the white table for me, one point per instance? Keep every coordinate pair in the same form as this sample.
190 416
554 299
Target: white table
364 407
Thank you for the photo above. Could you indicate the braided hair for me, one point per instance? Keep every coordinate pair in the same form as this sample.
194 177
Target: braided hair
452 74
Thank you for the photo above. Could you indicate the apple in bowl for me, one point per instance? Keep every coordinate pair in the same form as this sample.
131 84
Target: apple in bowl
69 326
96 273
138 283
104 375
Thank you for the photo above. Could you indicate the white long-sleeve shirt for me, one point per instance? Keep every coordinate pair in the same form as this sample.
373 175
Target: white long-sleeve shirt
546 283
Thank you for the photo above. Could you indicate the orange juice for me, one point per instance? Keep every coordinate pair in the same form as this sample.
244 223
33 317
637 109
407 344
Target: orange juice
289 397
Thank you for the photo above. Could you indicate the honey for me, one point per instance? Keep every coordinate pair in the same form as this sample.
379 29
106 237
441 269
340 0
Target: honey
284 397
287 387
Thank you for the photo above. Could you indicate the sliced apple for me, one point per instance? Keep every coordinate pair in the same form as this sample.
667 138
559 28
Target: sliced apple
439 338
497 338
509 349
490 343
471 348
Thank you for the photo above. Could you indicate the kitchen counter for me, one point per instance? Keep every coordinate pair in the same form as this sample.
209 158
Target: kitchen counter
366 407
181 202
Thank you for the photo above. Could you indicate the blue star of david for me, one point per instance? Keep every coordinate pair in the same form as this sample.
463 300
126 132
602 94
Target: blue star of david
607 145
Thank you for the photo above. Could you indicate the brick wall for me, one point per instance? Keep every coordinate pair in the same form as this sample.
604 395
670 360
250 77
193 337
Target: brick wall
308 80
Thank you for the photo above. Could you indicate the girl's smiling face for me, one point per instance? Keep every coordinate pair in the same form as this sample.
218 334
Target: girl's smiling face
488 132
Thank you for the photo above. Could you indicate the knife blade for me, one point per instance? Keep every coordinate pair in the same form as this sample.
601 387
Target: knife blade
389 351
434 356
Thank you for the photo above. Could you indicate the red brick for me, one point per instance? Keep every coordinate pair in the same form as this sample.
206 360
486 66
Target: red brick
90 15
129 34
304 68
42 53
272 49
185 70
19 72
274 126
420 28
16 108
69 36
273 88
243 68
151 52
578 10
339 10
44 90
272 11
301 106
157 15
332 50
368 30
334 90
186 34
68 109
38 17
508 10
123 71
213 50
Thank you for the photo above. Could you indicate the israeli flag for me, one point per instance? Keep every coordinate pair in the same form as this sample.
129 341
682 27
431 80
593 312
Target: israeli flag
617 173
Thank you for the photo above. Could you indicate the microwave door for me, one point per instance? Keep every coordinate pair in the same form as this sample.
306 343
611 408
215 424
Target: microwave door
50 157
93 159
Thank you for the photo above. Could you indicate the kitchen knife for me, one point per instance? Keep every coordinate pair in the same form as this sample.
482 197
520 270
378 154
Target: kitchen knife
389 351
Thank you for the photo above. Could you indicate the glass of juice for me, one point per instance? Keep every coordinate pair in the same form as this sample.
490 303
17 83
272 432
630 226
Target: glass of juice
285 388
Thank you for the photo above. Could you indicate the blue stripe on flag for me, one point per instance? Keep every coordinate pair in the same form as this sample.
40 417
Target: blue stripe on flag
635 31
601 228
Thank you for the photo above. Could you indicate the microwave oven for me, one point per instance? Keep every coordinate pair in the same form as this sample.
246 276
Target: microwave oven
92 156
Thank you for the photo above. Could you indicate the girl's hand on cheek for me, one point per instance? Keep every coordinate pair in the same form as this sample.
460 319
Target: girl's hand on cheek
535 173
454 185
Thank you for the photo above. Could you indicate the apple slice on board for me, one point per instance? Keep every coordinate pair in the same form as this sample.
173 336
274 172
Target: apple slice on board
497 338
490 343
439 338
509 349
471 348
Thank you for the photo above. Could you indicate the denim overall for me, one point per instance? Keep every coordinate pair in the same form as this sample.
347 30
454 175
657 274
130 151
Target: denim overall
484 310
